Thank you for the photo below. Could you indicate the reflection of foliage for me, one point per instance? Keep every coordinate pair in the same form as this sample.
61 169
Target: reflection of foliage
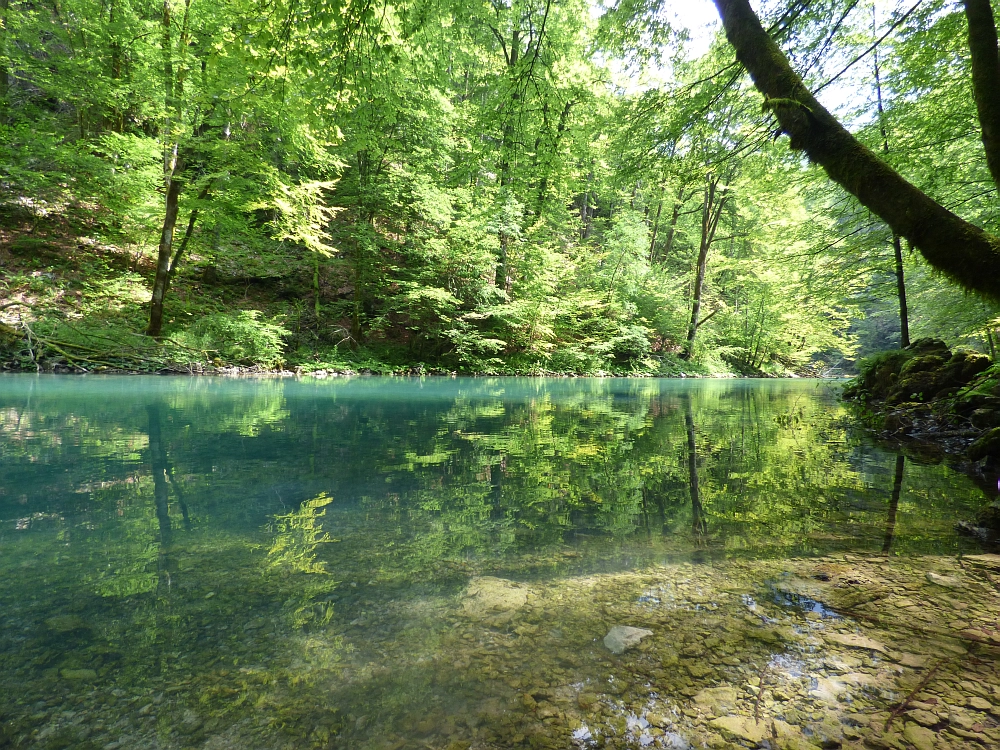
293 551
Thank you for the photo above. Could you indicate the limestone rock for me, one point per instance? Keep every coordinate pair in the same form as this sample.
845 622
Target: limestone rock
986 561
489 596
949 582
622 637
748 729
980 704
742 727
66 623
718 700
924 718
852 640
920 737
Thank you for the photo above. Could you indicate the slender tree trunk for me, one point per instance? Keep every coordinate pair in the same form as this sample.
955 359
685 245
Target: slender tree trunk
950 244
904 315
672 231
4 73
897 488
986 78
162 279
710 215
992 344
897 245
656 226
172 168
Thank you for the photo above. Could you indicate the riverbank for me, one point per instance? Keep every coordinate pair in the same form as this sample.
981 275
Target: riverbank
73 298
936 404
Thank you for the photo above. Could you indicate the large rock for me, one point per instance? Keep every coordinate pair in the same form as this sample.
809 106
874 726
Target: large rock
718 700
623 637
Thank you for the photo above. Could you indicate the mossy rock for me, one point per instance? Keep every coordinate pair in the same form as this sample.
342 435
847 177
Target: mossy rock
922 363
927 346
985 418
987 446
974 365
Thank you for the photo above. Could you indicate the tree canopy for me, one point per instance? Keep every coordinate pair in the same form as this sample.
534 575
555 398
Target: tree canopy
509 186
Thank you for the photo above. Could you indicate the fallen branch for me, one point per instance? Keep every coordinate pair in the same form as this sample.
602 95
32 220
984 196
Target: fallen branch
898 710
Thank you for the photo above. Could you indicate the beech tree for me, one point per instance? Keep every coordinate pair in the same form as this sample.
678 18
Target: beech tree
957 247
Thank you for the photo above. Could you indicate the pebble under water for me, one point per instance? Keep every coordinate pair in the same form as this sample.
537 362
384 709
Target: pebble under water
476 564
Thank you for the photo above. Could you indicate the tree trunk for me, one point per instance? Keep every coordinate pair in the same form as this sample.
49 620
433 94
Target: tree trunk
904 316
162 279
656 227
4 73
710 214
986 78
950 244
897 245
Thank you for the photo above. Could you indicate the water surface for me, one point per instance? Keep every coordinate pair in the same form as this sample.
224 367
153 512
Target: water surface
412 563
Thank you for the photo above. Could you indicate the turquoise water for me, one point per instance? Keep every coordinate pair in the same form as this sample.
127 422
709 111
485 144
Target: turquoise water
373 562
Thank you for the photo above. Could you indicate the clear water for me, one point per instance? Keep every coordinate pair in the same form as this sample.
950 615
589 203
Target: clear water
414 563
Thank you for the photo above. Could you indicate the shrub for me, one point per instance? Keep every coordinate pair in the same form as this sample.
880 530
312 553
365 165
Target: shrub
241 337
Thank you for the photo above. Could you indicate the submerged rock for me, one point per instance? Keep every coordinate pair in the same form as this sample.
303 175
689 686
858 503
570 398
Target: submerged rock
489 596
948 582
749 729
623 637
86 675
852 640
66 623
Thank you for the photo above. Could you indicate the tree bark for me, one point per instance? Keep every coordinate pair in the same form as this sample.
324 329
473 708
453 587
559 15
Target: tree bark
948 243
904 315
162 279
710 215
986 78
656 227
897 245
4 73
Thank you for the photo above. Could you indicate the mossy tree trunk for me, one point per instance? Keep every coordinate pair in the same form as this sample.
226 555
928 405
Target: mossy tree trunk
986 78
948 243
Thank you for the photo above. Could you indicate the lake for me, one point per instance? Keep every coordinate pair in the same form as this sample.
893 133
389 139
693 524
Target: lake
480 563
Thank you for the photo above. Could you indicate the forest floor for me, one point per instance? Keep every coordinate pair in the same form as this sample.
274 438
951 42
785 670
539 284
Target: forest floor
72 303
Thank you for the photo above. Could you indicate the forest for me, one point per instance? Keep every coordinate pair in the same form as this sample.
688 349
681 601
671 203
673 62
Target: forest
501 186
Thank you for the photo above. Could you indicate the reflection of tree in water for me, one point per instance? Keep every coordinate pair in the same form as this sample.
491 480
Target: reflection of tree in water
699 524
897 486
161 492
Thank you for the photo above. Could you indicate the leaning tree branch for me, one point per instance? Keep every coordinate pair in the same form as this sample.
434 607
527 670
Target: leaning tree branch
948 243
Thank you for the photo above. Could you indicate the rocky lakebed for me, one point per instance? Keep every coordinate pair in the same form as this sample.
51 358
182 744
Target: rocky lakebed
840 651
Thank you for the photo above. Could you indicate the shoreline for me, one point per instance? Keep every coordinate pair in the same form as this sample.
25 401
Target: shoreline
252 372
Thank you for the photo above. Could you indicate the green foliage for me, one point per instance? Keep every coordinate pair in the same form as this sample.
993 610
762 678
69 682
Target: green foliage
241 337
458 188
